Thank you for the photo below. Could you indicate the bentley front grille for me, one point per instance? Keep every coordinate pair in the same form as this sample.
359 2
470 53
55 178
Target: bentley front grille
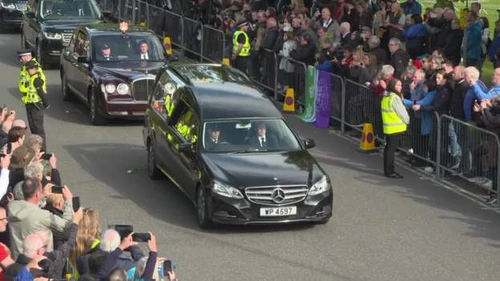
141 89
276 195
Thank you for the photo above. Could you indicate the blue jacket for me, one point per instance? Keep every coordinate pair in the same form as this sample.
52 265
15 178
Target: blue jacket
426 117
414 31
494 46
413 8
326 66
486 95
469 99
474 45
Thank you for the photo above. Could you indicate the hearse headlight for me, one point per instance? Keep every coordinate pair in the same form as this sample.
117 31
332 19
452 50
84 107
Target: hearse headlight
122 89
110 88
226 190
320 186
52 35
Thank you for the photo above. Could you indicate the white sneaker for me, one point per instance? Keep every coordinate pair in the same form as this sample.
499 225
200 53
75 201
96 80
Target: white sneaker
429 169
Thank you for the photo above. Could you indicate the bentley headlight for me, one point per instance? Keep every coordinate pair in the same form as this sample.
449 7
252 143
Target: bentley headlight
122 89
52 35
226 190
110 88
8 5
319 187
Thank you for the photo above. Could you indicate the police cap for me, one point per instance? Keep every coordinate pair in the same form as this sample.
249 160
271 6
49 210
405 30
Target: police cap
24 52
31 64
105 46
242 23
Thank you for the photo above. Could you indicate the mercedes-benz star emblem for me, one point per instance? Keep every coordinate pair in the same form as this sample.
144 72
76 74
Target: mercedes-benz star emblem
278 195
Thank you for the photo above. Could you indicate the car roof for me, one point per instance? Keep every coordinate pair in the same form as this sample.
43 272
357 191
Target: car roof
231 100
113 28
196 73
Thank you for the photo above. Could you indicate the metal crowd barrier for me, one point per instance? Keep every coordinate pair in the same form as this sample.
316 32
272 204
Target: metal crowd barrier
141 13
212 41
448 145
174 28
257 66
156 20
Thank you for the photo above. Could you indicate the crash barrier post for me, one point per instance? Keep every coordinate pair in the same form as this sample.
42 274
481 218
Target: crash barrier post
289 103
469 152
192 39
214 44
258 64
367 142
174 28
167 44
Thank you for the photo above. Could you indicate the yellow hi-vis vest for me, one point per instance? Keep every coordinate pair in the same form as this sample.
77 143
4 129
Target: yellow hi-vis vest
169 105
391 121
245 51
32 94
24 78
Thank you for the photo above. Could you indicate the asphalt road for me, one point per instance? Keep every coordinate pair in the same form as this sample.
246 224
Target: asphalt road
382 229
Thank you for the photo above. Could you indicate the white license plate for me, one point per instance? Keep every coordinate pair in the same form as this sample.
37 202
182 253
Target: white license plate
278 211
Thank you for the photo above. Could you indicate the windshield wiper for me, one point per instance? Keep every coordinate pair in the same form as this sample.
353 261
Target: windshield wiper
249 150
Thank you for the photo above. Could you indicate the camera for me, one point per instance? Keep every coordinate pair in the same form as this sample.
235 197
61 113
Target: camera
123 229
141 237
57 189
46 156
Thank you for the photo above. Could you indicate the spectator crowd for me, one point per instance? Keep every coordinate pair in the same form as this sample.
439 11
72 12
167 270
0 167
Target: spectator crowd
45 234
437 56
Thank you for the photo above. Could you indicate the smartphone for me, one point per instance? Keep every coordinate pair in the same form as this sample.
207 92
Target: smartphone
46 156
57 189
124 229
141 237
76 203
168 265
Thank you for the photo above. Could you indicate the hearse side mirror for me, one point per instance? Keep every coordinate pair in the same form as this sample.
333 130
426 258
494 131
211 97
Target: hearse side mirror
107 16
82 60
309 143
172 58
186 147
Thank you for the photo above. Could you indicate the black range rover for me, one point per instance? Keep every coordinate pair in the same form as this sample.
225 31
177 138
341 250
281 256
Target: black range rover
48 25
235 180
11 13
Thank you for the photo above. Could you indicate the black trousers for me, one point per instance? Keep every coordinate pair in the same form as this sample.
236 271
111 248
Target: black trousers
241 63
392 143
35 115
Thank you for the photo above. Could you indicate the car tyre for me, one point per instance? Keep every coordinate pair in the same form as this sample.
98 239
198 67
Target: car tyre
66 92
95 115
153 172
202 209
